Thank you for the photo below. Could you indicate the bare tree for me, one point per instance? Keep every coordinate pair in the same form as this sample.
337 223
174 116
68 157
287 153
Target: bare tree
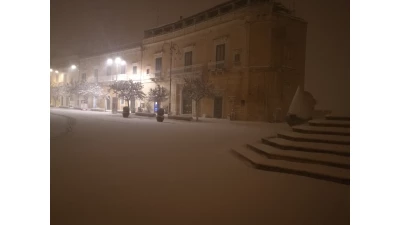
198 89
91 90
128 90
158 94
97 91
83 89
76 88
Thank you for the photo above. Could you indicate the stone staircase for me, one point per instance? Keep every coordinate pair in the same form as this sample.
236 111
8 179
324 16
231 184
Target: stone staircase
319 149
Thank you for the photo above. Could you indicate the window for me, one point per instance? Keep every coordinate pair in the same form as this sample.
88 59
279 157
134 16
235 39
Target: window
158 64
96 75
220 56
134 70
220 52
83 76
188 61
122 69
122 101
188 58
108 70
237 58
148 71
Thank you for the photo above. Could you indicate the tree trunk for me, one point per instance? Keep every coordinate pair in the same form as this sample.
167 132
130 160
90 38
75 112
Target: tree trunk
128 104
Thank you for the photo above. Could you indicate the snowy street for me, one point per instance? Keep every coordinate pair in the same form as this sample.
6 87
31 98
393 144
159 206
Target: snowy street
106 169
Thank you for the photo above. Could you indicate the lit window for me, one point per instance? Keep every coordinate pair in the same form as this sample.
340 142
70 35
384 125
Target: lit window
134 70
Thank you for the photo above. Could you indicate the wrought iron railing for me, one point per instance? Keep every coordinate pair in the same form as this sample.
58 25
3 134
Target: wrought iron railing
187 70
216 65
112 78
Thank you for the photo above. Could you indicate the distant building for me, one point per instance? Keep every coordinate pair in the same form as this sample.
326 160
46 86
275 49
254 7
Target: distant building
255 56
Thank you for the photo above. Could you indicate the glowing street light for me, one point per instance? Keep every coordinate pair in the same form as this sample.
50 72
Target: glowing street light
73 67
56 71
109 61
117 60
51 70
123 62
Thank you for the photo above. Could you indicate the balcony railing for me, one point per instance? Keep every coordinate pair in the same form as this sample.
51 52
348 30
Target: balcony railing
112 78
218 65
187 70
157 73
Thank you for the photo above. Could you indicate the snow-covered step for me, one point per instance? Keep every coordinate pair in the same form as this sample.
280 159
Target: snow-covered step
329 123
300 156
308 146
334 116
321 138
322 130
328 173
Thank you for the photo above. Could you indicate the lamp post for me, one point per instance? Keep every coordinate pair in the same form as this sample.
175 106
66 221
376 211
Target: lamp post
172 48
74 67
117 61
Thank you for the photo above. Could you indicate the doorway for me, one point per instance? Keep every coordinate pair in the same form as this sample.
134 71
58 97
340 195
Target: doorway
218 107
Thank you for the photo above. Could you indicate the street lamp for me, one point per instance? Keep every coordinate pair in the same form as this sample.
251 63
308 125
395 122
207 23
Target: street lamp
51 70
172 47
109 61
56 71
117 60
73 67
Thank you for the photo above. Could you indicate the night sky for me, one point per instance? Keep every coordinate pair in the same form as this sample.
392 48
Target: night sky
84 26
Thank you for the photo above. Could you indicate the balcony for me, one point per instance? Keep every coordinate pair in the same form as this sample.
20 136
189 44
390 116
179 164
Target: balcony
218 65
157 73
187 70
208 14
111 78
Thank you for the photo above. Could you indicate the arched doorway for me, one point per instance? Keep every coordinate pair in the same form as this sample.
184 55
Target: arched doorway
186 102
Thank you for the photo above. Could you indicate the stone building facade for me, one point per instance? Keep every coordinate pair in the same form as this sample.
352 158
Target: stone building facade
253 54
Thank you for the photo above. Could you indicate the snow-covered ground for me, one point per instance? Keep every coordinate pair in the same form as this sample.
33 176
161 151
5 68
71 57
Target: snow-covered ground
113 170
